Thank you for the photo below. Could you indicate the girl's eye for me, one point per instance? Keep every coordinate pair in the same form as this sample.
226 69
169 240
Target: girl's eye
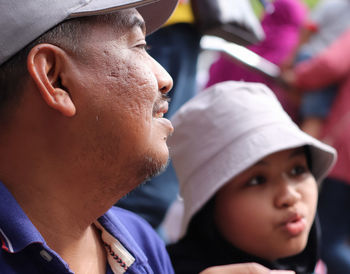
299 170
257 180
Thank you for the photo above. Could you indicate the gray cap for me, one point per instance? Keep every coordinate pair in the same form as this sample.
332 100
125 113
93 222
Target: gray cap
22 21
226 129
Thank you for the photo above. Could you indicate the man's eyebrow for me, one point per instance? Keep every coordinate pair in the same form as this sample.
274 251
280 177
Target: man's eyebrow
136 21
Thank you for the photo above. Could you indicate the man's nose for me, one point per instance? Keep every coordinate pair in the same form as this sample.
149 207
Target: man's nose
165 82
287 194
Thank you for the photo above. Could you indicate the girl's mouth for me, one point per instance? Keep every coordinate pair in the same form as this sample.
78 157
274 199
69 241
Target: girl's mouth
295 225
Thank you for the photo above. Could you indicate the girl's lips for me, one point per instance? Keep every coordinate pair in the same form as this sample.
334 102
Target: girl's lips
295 225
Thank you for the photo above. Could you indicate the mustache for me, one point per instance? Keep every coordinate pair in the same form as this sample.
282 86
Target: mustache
160 102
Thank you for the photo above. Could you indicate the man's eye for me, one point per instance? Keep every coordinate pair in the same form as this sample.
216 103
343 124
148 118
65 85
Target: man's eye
257 180
144 46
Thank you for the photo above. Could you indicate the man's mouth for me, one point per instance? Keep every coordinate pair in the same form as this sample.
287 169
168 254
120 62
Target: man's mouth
160 108
158 115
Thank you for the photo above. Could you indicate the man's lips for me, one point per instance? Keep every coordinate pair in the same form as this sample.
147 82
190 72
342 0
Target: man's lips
160 108
167 124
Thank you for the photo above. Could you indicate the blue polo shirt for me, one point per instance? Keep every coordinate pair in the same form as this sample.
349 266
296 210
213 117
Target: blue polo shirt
132 246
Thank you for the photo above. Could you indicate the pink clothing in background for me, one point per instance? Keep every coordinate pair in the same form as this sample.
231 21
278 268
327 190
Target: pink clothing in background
329 67
281 29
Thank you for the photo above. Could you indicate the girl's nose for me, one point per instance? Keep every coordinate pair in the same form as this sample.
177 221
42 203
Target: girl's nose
287 194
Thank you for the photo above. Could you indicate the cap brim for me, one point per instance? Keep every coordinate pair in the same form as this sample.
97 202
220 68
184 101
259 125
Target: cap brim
157 14
154 12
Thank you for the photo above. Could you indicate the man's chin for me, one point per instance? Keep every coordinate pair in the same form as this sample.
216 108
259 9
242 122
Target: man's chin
154 167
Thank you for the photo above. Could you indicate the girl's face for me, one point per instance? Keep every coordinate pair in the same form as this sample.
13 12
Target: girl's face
268 209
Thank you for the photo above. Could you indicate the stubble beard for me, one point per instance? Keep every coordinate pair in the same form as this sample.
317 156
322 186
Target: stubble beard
153 166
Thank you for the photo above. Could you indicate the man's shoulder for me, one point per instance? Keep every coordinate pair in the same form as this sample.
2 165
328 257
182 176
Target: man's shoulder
140 230
129 219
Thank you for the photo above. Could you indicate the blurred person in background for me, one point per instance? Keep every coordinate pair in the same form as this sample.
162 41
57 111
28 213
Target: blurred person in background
281 23
327 21
332 66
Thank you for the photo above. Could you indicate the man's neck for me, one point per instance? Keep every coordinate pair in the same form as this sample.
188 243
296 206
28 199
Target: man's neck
85 254
66 223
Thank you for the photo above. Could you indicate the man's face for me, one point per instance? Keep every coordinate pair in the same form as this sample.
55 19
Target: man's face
120 105
268 210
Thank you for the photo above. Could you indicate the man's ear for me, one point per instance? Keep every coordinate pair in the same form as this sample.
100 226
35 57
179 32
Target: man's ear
45 63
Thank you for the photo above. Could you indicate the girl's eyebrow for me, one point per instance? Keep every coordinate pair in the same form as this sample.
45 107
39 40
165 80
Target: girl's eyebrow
297 152
260 163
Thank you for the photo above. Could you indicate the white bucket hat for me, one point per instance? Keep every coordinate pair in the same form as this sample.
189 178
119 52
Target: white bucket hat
22 21
225 130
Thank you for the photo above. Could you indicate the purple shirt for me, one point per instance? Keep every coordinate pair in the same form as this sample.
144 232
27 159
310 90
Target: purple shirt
25 251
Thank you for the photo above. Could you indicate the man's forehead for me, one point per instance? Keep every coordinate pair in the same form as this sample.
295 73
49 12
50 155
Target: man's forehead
121 21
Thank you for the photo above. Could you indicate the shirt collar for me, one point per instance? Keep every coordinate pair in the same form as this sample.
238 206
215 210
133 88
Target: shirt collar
16 230
112 225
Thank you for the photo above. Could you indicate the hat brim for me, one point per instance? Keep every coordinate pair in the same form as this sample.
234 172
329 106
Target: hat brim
154 12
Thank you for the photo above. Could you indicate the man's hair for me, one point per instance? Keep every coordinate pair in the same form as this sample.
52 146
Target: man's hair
67 35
